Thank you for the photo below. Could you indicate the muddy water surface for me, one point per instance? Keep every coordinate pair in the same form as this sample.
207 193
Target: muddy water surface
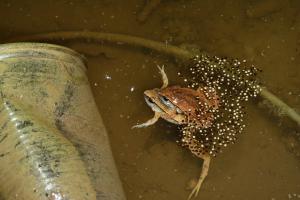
263 164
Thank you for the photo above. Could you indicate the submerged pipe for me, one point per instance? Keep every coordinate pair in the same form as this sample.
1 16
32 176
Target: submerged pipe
53 144
37 162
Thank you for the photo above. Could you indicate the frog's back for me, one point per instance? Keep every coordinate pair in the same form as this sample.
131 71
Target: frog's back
197 105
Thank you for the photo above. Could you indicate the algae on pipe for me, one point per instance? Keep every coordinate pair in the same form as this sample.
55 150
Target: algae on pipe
37 162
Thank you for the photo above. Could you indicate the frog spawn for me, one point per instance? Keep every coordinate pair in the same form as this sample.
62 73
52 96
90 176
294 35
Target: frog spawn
234 82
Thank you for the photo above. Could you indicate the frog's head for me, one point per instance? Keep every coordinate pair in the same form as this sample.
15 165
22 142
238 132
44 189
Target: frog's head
159 103
182 105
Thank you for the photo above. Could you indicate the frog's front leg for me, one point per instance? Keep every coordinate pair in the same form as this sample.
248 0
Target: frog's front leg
163 76
150 122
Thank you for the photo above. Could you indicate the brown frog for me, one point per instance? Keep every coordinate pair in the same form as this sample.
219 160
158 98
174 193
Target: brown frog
187 107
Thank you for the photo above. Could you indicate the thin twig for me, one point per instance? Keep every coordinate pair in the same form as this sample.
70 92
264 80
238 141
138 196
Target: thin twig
147 10
149 44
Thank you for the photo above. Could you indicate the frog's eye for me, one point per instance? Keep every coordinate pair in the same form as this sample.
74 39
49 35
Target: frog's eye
166 102
149 100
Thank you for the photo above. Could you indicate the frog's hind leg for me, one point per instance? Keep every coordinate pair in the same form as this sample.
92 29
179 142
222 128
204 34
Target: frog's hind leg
204 172
163 76
150 122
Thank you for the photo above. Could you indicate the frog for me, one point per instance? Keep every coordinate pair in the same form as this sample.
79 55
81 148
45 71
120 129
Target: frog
187 107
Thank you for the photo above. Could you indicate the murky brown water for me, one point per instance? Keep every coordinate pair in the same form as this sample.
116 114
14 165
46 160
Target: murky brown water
264 164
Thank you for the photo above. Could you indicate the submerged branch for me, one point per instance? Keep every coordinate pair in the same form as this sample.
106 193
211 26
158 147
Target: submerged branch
120 39
281 107
149 44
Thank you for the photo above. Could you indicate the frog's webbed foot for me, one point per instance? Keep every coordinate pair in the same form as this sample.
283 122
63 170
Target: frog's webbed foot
163 76
203 174
151 121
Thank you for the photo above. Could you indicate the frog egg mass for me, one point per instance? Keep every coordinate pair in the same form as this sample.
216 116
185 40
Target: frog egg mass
234 82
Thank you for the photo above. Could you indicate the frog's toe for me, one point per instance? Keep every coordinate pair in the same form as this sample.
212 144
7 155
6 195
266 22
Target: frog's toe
139 126
163 76
195 191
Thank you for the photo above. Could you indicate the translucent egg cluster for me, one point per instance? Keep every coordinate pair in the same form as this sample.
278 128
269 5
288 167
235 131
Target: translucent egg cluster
234 82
